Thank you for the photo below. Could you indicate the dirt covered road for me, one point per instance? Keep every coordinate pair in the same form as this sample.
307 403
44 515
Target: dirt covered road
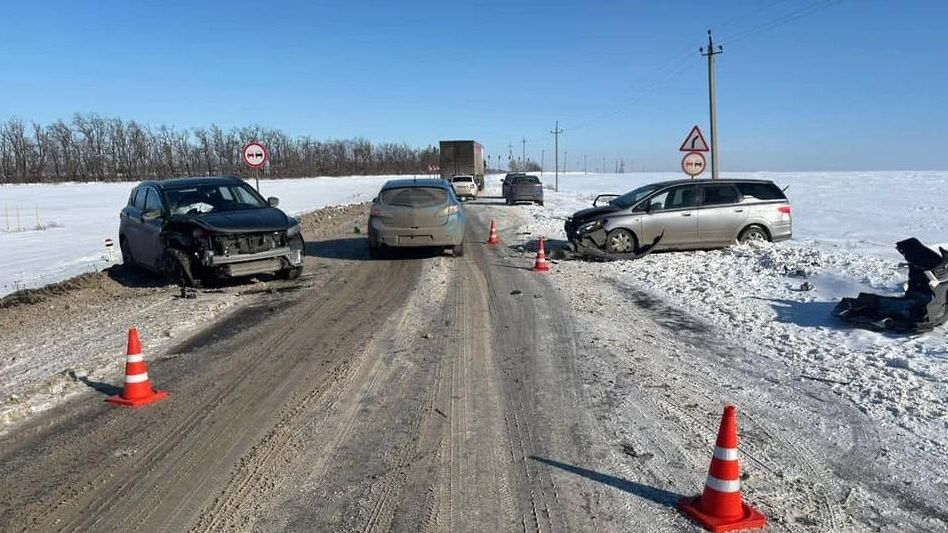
423 392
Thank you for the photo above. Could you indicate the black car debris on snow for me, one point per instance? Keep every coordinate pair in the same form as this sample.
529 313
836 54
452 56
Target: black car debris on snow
195 229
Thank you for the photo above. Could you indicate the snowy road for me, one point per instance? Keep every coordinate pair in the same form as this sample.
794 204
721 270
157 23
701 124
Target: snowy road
430 393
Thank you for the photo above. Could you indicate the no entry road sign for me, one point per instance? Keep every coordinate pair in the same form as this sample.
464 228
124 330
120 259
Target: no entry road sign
694 142
255 155
693 163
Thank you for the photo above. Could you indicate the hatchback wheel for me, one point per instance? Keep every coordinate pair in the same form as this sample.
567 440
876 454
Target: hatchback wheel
753 234
620 241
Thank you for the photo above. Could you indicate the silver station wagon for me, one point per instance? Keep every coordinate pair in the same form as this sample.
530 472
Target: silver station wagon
684 215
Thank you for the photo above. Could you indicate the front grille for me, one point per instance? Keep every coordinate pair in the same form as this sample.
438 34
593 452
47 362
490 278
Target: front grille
248 243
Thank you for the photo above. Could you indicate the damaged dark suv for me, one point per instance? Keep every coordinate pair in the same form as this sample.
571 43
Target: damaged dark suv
196 229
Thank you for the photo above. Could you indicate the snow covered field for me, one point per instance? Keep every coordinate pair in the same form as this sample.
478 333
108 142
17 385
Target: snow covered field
80 216
845 229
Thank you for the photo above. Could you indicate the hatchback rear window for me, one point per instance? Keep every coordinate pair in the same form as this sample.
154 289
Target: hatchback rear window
414 196
761 191
462 179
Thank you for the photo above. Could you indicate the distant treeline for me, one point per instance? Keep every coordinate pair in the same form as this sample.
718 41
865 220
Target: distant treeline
95 148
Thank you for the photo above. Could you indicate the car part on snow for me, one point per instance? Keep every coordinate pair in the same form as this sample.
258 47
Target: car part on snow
924 305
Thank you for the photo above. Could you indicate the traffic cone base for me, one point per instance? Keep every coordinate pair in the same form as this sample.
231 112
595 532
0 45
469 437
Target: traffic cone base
156 395
751 519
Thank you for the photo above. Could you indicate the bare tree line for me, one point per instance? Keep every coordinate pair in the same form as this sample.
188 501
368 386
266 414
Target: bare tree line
95 148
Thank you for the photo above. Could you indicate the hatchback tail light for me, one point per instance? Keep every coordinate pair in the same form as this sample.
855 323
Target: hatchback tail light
785 209
448 211
376 211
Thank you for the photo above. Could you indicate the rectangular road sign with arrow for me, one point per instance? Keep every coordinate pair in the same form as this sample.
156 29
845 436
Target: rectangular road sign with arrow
694 142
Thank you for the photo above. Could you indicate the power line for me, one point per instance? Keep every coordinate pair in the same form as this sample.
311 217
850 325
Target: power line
781 20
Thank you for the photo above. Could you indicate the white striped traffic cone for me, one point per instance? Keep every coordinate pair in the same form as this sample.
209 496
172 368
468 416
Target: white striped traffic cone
137 391
721 506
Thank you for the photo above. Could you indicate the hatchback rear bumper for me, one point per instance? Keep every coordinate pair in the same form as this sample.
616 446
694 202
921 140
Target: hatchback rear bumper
451 234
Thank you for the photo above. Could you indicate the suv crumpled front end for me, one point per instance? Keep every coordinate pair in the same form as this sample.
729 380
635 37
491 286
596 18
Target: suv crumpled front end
244 254
214 251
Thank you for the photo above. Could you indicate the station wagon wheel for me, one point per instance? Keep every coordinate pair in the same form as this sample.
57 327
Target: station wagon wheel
753 234
620 241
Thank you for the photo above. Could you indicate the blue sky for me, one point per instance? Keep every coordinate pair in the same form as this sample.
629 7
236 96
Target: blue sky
856 85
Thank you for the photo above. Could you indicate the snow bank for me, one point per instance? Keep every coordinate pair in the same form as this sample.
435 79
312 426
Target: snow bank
80 216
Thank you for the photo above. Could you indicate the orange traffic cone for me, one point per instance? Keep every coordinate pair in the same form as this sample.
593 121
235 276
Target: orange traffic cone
721 507
137 391
541 265
492 239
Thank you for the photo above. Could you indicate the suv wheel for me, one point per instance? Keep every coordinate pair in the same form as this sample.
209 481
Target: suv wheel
620 241
753 234
290 273
127 258
178 268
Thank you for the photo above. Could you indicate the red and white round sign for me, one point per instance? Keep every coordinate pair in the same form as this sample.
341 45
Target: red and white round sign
693 163
255 155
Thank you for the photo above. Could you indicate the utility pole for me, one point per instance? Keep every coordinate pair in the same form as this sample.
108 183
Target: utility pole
710 53
584 165
603 164
542 157
523 153
509 154
556 154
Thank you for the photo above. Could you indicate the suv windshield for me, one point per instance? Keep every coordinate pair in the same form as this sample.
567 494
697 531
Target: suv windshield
629 199
414 196
203 199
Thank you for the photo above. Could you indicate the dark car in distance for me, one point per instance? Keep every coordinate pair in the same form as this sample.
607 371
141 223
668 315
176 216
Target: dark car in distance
523 188
195 229
507 181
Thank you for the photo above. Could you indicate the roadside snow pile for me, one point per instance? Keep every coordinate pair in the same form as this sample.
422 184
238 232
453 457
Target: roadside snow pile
776 301
79 217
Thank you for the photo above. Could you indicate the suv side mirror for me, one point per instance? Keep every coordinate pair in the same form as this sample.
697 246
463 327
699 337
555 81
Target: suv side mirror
273 201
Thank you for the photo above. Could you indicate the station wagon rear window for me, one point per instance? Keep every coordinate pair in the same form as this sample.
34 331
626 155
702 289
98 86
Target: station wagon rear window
761 191
414 196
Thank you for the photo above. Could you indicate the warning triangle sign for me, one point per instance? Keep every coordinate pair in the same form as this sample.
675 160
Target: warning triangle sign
694 142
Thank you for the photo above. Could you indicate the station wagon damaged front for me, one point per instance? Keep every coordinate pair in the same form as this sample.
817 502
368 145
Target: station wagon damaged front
682 215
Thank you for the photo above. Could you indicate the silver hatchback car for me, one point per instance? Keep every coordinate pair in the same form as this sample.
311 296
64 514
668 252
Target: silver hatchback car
685 214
